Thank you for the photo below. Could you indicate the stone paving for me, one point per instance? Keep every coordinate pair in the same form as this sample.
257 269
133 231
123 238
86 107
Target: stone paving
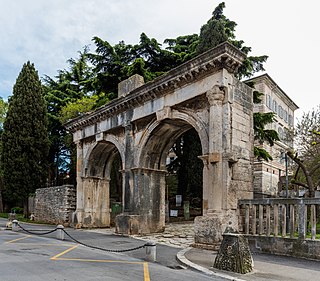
179 235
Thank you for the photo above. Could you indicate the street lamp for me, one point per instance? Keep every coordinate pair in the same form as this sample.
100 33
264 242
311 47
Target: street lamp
284 156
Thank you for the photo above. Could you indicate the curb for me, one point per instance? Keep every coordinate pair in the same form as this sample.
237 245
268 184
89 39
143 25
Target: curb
182 259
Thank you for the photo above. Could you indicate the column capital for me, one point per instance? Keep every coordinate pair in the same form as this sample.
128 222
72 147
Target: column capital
216 95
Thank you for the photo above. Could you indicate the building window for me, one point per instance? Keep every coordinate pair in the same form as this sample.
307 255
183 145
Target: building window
269 101
280 111
290 120
285 116
275 106
281 133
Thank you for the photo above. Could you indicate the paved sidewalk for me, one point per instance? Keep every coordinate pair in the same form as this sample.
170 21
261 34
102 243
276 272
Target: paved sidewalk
266 267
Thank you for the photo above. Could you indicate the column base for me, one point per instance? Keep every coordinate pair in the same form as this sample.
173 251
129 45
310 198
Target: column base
208 229
137 224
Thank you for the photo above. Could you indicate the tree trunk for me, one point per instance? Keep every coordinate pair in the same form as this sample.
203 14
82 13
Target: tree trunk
1 203
26 207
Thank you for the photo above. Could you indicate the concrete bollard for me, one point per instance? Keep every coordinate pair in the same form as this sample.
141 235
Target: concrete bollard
151 251
15 226
60 232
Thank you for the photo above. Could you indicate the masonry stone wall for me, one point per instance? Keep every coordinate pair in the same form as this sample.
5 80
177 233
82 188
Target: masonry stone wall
55 204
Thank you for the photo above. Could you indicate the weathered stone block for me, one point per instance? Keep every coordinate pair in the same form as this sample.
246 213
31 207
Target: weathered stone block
208 229
234 253
128 85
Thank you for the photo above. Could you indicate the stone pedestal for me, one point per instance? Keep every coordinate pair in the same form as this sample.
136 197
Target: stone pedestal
208 229
234 253
137 224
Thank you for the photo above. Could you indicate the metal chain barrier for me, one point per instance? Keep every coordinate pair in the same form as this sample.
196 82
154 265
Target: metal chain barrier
103 249
84 244
36 233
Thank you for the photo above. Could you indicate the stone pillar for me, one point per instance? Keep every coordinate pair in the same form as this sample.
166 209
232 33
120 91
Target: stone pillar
148 207
216 178
78 214
96 211
214 187
128 180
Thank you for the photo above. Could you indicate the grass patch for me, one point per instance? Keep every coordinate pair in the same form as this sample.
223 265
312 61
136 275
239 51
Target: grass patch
19 217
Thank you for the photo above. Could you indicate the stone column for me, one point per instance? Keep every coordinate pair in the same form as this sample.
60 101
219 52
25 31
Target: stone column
147 214
215 98
127 175
78 215
210 226
96 211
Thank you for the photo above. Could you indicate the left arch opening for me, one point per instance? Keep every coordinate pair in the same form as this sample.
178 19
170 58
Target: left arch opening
103 185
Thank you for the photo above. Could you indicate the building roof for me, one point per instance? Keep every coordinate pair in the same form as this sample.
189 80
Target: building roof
274 85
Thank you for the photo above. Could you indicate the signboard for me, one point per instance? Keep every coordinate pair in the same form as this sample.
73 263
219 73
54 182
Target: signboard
178 200
173 213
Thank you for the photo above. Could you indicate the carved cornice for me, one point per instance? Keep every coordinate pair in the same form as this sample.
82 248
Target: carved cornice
224 56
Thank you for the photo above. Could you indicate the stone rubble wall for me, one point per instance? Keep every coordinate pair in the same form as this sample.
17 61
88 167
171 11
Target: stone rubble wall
55 204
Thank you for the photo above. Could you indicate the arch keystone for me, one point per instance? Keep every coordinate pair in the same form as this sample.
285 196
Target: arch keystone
164 113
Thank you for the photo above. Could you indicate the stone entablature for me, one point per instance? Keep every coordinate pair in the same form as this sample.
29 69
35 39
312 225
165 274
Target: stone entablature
223 56
141 127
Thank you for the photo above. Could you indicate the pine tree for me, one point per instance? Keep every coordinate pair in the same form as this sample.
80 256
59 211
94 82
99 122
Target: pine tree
25 139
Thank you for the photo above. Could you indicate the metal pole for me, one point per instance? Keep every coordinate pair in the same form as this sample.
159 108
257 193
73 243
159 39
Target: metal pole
287 192
287 178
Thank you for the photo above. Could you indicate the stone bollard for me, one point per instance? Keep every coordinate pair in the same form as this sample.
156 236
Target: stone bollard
60 232
151 251
15 225
234 253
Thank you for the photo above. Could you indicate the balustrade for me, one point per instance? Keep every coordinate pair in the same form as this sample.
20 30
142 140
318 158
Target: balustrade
290 218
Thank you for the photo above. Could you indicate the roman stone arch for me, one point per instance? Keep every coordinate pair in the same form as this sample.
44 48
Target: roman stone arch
180 122
142 124
95 183
153 153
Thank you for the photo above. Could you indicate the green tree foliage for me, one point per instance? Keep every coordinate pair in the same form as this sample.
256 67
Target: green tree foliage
3 112
77 108
220 29
25 138
68 87
188 167
307 156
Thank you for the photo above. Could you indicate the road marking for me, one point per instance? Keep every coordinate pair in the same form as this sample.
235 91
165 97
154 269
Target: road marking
146 272
64 252
39 244
105 261
18 239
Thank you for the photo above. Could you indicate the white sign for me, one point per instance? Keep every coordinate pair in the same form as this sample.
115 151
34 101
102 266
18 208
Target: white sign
173 213
178 200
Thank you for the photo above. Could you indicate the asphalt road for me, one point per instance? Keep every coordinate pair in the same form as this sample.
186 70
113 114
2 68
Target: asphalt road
25 257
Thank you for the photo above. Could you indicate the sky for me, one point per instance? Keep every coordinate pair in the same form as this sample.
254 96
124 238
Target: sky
49 32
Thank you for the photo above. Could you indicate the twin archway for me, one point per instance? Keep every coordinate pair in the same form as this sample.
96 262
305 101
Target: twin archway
147 167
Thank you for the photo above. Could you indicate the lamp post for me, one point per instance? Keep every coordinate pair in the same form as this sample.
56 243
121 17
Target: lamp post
287 178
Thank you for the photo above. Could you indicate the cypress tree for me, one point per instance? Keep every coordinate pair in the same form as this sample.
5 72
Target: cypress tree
25 139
